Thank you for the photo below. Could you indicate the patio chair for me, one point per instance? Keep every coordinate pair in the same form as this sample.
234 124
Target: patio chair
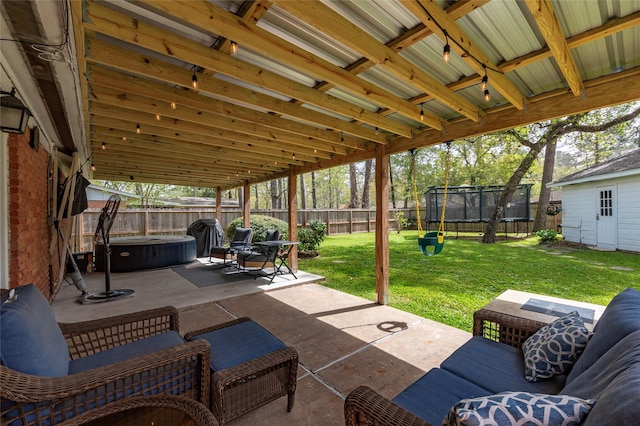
54 372
260 256
241 241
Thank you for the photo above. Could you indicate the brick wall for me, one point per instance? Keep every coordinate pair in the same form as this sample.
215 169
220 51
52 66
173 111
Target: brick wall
29 235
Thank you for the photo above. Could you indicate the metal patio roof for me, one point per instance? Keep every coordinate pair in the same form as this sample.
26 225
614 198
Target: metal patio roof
314 84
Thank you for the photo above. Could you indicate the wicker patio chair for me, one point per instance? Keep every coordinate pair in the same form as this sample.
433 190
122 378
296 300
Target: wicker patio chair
165 410
249 368
181 369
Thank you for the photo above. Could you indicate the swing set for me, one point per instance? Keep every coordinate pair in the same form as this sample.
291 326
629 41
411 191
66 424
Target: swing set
432 242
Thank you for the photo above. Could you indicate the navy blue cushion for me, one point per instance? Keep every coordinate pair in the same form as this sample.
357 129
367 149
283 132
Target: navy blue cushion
432 395
126 352
497 367
621 317
231 346
32 341
614 380
519 408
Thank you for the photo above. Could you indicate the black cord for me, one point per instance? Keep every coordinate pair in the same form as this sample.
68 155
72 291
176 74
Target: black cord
466 52
57 46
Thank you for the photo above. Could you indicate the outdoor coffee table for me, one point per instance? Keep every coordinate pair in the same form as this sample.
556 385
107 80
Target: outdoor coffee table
249 367
514 315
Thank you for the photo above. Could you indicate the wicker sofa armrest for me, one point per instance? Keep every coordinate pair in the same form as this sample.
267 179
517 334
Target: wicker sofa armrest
89 337
364 406
178 370
504 328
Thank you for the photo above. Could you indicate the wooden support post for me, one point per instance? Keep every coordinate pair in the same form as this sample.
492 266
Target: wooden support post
382 225
292 198
219 204
246 206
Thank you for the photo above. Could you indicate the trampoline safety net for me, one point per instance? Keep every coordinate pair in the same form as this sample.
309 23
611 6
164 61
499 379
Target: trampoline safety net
477 203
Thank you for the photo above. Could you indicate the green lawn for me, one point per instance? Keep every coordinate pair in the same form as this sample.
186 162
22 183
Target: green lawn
449 287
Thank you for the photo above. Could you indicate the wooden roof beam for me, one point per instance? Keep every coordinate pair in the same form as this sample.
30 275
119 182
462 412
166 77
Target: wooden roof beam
428 12
347 33
137 103
204 136
110 22
545 17
209 18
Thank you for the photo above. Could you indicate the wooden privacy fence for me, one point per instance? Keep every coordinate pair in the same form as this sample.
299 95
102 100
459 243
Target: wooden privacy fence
152 221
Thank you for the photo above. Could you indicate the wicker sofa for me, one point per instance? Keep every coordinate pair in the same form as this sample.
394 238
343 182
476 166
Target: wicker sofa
492 361
53 372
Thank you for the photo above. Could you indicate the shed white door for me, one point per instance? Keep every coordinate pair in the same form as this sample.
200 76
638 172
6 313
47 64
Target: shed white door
606 217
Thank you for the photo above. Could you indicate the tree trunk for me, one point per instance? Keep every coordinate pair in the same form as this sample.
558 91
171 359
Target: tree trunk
256 197
303 195
492 226
314 200
353 186
540 221
274 194
393 189
366 201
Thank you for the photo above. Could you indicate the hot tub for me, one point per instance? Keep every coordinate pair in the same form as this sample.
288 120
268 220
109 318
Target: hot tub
147 252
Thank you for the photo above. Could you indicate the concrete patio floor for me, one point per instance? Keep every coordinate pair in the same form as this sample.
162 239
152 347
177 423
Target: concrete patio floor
343 341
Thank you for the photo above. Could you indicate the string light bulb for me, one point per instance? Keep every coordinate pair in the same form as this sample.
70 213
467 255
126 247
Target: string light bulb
138 128
421 112
194 79
233 47
446 52
104 146
124 138
485 79
377 131
487 95
158 117
93 167
174 105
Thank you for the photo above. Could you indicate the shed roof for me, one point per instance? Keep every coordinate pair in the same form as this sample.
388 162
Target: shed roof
625 165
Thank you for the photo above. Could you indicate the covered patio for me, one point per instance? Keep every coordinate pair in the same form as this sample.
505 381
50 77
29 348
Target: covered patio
343 341
227 94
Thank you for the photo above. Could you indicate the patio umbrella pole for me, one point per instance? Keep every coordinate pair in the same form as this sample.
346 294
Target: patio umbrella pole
105 221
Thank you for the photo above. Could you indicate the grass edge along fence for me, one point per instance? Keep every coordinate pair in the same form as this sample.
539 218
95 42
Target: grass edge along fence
157 221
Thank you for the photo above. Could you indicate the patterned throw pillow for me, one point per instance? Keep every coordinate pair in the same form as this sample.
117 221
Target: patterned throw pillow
519 408
554 348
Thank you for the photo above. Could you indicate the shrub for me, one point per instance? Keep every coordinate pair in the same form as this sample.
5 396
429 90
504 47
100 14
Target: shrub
547 236
401 221
310 238
260 224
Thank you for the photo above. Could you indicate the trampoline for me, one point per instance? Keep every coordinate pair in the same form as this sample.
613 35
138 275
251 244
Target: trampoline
130 254
476 204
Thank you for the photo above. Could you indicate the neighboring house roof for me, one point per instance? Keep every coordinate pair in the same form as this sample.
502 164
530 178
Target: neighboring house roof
99 192
625 165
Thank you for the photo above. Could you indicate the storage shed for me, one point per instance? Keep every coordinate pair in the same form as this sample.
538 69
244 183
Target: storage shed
601 204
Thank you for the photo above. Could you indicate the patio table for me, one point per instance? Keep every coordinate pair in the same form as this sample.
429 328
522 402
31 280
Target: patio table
282 249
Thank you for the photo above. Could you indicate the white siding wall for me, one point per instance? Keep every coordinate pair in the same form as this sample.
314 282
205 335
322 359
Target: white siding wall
629 213
579 213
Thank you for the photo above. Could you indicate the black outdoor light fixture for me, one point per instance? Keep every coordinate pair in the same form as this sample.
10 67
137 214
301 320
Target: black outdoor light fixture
13 114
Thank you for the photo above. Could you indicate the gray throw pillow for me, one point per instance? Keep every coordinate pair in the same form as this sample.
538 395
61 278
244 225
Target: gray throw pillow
554 348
